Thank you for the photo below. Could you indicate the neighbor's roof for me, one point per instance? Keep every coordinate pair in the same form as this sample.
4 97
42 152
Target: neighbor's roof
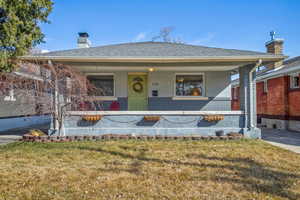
289 66
152 50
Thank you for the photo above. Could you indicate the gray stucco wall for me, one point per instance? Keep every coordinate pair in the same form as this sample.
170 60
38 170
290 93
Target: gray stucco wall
167 103
217 84
217 89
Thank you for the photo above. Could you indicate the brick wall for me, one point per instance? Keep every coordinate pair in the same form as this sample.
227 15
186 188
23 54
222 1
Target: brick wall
235 103
276 95
261 98
279 102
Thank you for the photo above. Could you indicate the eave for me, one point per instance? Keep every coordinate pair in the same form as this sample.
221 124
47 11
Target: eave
264 58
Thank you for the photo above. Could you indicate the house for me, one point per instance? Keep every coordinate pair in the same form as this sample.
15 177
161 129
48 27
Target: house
20 98
162 88
278 96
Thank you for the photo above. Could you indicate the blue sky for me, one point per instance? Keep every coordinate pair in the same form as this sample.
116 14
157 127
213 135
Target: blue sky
238 24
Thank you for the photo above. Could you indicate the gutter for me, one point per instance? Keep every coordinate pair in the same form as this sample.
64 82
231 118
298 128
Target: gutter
267 58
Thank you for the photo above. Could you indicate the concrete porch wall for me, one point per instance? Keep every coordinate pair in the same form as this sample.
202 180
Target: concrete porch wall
178 125
171 123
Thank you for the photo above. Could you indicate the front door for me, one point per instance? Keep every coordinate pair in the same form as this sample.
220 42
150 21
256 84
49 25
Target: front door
137 92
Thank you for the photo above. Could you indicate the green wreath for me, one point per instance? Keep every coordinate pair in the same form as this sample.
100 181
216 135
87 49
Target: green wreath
137 87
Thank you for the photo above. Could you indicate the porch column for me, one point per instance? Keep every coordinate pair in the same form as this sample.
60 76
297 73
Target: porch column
248 100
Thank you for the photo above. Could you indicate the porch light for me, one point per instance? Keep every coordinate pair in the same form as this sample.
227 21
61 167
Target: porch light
151 69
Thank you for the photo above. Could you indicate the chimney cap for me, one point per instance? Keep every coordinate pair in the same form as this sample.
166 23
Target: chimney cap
83 34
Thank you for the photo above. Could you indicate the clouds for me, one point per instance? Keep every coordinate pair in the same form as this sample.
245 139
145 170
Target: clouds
207 39
139 37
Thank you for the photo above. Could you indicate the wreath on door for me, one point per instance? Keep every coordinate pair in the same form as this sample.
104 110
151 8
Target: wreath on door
137 87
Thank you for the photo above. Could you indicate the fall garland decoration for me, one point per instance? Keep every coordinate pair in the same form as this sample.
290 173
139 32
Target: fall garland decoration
213 118
92 117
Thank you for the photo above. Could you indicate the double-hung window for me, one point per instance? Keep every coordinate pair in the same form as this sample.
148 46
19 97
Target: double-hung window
295 81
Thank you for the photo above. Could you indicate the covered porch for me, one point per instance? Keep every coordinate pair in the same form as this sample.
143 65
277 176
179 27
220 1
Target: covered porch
163 105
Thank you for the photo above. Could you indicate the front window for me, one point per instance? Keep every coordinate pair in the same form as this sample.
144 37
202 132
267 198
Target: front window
295 81
101 85
190 85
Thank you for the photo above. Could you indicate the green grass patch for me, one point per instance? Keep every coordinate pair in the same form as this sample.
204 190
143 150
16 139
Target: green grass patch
242 169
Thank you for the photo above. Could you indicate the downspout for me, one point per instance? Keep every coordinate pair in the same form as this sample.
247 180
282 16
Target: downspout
253 81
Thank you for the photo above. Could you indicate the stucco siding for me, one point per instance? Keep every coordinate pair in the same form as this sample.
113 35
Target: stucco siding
218 84
167 103
121 84
163 82
217 89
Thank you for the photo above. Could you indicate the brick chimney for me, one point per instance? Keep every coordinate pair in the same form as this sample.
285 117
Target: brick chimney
83 40
274 46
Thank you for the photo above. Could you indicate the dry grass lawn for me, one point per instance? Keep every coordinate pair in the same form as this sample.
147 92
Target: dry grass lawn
245 169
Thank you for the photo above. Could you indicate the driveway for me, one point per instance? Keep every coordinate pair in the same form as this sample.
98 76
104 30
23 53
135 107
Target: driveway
282 138
16 134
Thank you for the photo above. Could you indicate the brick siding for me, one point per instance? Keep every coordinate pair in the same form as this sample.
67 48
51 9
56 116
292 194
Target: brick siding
279 102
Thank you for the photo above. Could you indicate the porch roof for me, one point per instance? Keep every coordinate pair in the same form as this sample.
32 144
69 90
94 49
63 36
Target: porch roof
154 52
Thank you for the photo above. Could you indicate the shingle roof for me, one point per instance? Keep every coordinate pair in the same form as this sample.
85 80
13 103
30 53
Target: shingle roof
151 50
292 62
289 66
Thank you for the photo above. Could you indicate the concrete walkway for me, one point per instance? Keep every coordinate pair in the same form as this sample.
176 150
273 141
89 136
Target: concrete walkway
282 138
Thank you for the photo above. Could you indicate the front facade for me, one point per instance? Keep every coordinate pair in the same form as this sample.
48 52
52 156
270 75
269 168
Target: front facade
185 88
278 96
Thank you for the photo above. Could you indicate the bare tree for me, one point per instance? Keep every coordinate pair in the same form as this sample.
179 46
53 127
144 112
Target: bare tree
45 88
165 35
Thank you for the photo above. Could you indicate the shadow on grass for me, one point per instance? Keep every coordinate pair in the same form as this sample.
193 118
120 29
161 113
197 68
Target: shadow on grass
267 180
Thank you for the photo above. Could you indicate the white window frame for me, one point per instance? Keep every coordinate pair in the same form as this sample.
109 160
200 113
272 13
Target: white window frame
11 96
203 97
292 83
265 86
107 98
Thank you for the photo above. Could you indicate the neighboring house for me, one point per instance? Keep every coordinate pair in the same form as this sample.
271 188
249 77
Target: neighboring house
20 103
278 96
180 85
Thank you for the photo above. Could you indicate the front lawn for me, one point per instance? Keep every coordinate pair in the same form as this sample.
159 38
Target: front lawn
245 169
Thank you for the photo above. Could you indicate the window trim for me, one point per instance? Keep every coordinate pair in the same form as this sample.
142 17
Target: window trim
104 98
292 76
265 86
203 97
